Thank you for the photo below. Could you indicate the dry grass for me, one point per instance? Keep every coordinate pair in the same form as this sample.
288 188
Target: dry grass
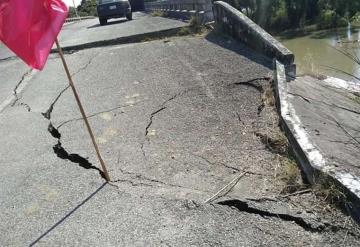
327 190
195 27
290 175
158 13
287 173
356 97
276 142
268 96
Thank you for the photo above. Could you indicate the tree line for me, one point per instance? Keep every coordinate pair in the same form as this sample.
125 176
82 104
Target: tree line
278 15
86 8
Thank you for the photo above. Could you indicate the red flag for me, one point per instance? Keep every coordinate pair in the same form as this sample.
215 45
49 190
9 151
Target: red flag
29 27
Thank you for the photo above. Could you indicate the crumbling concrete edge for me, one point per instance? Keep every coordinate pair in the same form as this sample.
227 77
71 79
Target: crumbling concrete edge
310 158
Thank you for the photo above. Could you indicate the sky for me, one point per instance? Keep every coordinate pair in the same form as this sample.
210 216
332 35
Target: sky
70 2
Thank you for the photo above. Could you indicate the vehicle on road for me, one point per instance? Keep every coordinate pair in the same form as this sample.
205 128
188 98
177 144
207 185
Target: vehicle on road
109 9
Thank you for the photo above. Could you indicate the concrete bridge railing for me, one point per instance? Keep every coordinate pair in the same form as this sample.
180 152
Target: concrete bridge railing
232 21
183 8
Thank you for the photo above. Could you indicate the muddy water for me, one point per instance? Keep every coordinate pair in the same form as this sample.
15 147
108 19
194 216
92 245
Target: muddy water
316 52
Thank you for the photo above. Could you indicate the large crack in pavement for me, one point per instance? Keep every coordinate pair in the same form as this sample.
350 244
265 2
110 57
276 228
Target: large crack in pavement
47 113
61 153
254 83
306 225
160 108
58 148
152 115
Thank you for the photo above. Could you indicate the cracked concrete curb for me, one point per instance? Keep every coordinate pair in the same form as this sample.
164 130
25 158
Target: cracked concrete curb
123 40
307 154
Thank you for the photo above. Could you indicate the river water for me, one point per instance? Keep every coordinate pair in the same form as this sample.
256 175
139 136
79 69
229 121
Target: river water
317 52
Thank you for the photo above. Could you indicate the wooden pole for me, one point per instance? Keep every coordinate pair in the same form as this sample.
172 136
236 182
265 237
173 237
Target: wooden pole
107 177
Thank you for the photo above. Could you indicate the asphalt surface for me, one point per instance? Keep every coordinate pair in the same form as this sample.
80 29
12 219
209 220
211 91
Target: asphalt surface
4 52
89 31
173 129
76 34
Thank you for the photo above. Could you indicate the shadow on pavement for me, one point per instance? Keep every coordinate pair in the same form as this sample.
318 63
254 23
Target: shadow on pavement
222 40
68 215
108 24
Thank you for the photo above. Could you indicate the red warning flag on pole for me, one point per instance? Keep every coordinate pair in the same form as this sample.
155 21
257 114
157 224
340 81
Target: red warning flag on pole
29 27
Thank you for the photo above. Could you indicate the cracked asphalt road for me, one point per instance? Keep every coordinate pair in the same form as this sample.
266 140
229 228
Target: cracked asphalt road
174 125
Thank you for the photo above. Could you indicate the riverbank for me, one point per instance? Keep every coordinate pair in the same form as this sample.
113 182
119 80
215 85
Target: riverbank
309 29
321 52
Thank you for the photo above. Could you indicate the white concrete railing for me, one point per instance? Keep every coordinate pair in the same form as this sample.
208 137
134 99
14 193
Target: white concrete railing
183 8
240 27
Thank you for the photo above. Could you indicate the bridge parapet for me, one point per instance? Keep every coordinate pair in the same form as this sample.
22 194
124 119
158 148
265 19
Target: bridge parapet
238 25
183 8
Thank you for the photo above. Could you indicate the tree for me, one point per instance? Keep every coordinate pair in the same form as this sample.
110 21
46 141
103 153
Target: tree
87 8
283 14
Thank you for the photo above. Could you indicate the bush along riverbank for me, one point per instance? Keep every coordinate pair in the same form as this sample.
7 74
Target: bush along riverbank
279 15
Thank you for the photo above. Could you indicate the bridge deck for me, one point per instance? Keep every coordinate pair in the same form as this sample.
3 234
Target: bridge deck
176 120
